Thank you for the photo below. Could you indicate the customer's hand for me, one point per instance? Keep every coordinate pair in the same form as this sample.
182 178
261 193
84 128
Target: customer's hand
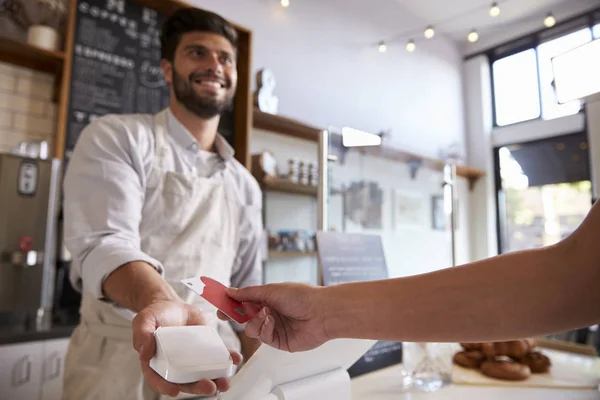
290 318
171 313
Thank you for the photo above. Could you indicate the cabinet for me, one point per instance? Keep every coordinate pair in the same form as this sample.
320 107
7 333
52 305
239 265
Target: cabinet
34 370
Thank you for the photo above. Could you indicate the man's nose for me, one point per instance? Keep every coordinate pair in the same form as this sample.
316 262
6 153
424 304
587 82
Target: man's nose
214 64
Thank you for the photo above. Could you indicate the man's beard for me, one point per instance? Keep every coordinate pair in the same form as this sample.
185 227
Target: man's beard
205 107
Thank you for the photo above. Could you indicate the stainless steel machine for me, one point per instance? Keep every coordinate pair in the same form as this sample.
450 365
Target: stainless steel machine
29 203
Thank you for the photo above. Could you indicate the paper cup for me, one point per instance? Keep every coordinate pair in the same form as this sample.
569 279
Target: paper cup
42 36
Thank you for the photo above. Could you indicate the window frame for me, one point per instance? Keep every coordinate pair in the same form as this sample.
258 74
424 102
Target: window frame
532 41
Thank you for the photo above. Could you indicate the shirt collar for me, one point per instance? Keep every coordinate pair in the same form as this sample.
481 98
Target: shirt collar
184 138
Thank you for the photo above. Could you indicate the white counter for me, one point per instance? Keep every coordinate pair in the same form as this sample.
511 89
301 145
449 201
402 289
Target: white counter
383 385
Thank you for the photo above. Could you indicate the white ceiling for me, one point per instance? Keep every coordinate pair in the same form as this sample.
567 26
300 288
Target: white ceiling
456 18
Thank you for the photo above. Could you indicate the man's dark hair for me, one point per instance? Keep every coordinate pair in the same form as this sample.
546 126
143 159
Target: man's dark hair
193 19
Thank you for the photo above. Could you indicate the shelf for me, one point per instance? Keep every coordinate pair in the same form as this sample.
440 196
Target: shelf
469 173
285 186
293 128
28 56
285 126
291 254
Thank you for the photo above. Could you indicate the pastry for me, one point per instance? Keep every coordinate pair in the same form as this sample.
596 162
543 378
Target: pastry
537 362
506 370
515 349
469 359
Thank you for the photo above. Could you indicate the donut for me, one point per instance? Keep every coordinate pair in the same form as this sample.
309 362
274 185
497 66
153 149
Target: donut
515 349
537 362
506 370
469 359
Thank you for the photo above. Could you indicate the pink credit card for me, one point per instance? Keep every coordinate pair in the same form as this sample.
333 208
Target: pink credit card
215 293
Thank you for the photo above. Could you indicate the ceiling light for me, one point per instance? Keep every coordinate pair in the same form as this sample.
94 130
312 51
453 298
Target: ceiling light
354 138
429 32
410 46
549 21
285 3
473 36
494 10
382 47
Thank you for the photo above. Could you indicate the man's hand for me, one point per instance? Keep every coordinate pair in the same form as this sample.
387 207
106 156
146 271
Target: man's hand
290 317
171 313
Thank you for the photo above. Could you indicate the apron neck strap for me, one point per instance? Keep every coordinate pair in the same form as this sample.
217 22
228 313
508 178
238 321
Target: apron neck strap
160 137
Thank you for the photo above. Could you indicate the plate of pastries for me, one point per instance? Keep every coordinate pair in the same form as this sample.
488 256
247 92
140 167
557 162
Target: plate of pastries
515 360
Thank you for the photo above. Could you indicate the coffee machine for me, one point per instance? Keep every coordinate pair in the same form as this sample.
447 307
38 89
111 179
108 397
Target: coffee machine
29 204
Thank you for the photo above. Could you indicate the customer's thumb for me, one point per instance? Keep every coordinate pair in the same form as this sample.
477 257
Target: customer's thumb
256 294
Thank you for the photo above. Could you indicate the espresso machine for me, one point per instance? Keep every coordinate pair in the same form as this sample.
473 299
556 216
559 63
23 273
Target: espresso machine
29 204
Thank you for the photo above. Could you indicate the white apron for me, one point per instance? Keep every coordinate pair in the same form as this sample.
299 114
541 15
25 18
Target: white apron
189 224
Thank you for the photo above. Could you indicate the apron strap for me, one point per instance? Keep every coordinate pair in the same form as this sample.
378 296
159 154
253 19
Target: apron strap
160 137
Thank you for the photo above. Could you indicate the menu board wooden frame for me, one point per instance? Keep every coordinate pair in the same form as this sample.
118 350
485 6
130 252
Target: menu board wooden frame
61 64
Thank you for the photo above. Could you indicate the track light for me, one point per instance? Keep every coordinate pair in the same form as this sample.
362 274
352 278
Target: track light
410 46
473 36
549 21
429 32
494 10
382 47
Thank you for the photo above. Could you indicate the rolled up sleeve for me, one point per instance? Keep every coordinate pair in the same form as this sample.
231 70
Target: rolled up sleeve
103 200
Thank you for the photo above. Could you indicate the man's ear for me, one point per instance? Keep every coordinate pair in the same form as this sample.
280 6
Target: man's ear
167 70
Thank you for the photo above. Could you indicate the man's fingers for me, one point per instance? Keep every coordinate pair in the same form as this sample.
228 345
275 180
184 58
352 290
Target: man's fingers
222 316
144 324
147 350
203 387
223 384
237 357
157 383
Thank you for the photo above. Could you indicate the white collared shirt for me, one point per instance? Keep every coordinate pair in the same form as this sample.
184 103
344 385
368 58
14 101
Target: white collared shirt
104 191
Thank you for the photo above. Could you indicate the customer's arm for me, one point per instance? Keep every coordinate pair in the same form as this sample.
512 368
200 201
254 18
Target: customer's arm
516 295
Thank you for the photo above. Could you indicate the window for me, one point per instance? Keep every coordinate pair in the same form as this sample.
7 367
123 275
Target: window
545 51
545 191
523 81
516 90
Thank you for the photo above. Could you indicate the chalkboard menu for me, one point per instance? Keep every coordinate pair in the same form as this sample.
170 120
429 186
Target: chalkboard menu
116 65
345 258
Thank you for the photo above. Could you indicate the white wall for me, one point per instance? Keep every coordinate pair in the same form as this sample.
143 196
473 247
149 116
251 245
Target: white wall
329 71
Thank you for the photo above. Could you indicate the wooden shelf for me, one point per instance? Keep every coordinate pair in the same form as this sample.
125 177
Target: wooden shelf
293 128
291 254
285 126
28 56
469 173
285 186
